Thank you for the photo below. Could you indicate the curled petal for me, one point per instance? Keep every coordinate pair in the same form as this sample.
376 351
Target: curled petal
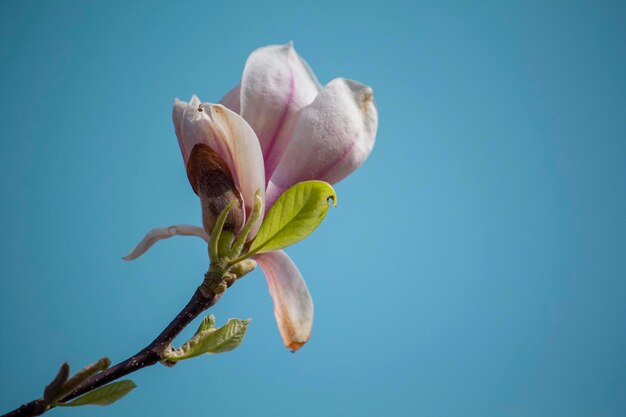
276 85
231 137
154 235
334 136
293 306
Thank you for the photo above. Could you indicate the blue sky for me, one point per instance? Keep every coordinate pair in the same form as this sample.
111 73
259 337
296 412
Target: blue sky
474 267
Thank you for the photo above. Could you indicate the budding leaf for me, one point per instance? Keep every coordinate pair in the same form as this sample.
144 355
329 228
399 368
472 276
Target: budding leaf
54 390
296 213
228 337
105 395
86 372
208 339
208 323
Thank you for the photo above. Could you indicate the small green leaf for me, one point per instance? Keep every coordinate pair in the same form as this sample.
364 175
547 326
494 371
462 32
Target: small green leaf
85 373
296 213
105 395
253 219
228 337
226 242
208 323
211 340
217 231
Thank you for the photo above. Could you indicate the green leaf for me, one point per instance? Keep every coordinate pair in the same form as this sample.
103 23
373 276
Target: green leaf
85 373
296 213
105 395
211 340
208 323
228 337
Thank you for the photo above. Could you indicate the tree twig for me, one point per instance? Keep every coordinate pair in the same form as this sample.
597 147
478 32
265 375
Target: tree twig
201 300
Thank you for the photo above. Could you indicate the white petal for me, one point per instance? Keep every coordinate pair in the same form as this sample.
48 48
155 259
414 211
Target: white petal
334 136
177 116
233 139
293 306
276 85
154 235
232 99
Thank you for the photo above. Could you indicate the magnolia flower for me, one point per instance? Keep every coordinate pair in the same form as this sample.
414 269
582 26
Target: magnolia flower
276 128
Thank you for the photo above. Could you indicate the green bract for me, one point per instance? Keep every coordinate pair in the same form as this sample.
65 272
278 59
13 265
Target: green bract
105 395
208 339
85 373
296 213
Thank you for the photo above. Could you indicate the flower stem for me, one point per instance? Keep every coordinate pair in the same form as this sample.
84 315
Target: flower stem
148 356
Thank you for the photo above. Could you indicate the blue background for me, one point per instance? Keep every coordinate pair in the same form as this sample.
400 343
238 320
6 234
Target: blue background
474 267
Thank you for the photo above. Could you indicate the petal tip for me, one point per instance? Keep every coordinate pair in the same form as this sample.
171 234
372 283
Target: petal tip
195 101
295 346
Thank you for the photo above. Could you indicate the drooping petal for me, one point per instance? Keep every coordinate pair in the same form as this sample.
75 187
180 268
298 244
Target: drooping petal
232 138
293 306
154 235
276 85
334 136
232 99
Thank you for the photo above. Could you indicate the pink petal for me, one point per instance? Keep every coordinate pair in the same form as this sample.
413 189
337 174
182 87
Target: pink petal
154 235
177 116
276 85
293 306
232 99
228 135
334 136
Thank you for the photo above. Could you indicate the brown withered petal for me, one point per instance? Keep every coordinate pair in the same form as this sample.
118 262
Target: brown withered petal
213 182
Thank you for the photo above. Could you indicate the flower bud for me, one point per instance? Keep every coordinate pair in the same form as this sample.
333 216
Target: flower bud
213 182
242 268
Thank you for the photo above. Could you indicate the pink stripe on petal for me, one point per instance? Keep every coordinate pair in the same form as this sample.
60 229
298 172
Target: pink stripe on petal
335 134
276 85
293 306
327 172
271 160
332 172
